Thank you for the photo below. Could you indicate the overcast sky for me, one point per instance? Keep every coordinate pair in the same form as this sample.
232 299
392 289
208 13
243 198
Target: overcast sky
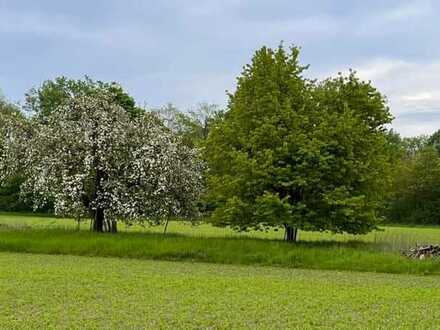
189 51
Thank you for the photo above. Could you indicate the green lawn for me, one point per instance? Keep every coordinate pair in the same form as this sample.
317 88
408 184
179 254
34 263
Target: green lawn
41 291
67 283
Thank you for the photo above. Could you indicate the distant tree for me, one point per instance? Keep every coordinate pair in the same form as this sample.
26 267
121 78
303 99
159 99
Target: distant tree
415 196
170 117
203 119
413 145
53 94
192 126
96 161
291 153
434 140
416 189
395 145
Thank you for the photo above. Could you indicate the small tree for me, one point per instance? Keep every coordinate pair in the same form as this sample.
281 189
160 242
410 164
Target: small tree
291 153
94 160
192 126
415 144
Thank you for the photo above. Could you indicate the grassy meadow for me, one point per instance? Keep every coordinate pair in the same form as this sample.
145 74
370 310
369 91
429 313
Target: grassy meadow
388 237
379 251
56 275
41 291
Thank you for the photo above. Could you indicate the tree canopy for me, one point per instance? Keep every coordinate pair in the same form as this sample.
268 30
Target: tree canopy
53 94
415 196
94 160
416 189
294 153
434 140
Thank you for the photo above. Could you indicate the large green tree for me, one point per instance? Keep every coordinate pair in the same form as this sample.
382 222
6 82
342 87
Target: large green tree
297 154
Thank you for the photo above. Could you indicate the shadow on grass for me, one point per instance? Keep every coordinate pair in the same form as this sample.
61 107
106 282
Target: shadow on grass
49 231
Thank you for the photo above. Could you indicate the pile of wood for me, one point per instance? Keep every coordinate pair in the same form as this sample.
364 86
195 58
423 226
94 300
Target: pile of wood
424 251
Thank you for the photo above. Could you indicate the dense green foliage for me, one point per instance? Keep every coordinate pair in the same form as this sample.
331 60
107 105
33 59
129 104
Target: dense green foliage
10 195
294 153
416 190
434 140
414 197
54 94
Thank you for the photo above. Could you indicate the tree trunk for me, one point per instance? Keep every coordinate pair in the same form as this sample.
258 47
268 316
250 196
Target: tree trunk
98 220
113 227
99 223
166 226
290 234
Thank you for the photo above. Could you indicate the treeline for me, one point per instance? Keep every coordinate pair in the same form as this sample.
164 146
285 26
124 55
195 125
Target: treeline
287 152
415 192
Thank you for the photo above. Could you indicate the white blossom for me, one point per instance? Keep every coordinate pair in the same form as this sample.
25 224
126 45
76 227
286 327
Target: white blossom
145 172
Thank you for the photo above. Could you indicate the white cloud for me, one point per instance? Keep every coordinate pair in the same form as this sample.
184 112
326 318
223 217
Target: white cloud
413 129
412 89
422 96
379 68
61 26
208 7
407 10
184 91
39 24
319 24
391 19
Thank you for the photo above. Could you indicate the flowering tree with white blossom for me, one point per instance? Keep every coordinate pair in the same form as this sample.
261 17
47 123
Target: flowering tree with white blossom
13 128
96 161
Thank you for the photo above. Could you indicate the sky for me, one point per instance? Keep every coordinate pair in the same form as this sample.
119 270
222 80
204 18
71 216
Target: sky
190 51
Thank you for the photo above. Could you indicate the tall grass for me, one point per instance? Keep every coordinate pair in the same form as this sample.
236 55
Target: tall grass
331 255
394 238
